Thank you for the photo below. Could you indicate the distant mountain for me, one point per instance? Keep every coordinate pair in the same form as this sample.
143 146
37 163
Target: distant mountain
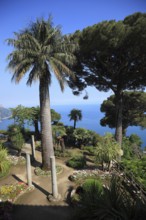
4 112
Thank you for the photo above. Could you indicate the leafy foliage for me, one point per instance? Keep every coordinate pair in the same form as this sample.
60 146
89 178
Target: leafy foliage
132 147
55 116
16 137
112 57
113 202
76 162
92 184
84 137
4 162
59 153
137 167
134 107
107 150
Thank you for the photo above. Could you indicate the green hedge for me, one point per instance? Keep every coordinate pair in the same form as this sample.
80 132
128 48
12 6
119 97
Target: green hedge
77 162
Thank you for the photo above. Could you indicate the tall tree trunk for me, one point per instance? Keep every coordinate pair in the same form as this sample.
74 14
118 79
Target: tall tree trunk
45 120
124 130
119 106
36 128
75 124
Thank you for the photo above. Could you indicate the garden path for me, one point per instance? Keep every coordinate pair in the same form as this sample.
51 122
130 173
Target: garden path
35 205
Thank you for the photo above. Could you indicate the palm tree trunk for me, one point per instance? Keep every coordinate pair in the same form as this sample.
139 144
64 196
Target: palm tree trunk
45 120
75 124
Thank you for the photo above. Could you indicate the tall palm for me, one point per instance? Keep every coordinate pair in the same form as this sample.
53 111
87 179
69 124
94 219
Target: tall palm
75 115
41 50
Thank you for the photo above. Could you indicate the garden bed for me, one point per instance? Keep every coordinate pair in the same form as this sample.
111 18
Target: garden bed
11 192
8 196
14 160
88 173
39 172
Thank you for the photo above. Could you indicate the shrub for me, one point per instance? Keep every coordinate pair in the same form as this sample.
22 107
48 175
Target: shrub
59 153
137 167
132 147
113 202
4 162
16 137
77 162
107 150
17 142
92 185
90 149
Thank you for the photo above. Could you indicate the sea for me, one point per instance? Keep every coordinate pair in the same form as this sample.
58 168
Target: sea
91 117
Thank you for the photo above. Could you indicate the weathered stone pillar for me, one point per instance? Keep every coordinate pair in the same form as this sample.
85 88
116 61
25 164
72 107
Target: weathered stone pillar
33 146
53 177
28 170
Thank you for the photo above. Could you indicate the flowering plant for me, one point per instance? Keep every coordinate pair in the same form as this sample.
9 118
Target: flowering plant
85 174
10 192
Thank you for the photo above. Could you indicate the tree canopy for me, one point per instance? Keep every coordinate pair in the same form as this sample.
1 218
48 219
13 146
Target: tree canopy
134 108
112 56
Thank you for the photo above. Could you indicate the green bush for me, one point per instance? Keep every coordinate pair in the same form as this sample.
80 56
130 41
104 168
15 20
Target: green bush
59 153
17 142
90 149
4 162
92 184
113 202
16 137
77 162
137 167
132 147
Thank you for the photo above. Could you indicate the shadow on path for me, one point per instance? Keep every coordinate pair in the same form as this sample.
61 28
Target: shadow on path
35 185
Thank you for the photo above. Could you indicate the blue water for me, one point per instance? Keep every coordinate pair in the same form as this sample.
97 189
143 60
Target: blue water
90 120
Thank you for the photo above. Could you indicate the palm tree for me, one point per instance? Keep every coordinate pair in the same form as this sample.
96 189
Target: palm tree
75 115
41 50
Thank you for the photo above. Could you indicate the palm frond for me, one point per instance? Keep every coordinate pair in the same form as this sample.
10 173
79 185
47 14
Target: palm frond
33 75
31 41
20 69
62 68
41 49
59 76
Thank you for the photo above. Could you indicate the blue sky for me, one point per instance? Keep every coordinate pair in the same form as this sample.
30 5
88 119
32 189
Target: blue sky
71 15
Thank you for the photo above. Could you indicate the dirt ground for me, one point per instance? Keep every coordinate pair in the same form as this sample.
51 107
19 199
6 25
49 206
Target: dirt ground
35 205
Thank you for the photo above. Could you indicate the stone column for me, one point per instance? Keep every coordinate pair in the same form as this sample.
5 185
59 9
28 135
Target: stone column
53 177
28 170
33 146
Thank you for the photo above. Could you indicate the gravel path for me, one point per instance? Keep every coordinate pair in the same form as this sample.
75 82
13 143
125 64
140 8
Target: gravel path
35 205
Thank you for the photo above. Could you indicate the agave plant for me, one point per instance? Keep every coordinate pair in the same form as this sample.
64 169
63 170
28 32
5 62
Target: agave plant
112 203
